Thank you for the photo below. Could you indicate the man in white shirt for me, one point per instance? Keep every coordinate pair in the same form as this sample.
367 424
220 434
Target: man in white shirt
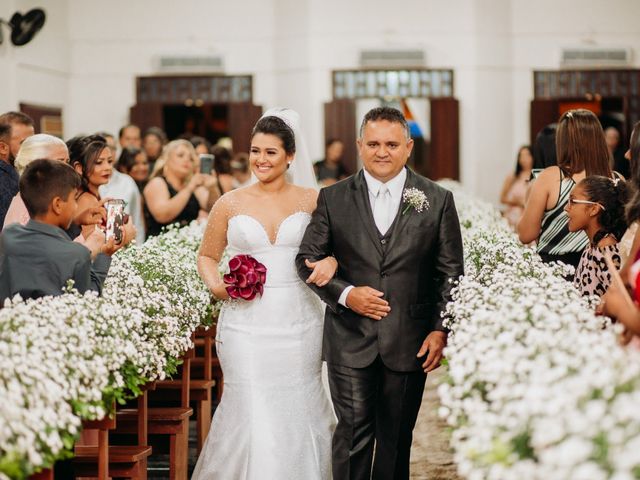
396 238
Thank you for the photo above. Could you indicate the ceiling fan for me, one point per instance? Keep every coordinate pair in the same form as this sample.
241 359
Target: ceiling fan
24 27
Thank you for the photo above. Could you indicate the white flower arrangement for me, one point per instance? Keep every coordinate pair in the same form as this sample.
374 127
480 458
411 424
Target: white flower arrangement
68 358
537 385
416 199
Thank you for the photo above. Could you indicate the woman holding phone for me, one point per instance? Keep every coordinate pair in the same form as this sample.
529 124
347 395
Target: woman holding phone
177 192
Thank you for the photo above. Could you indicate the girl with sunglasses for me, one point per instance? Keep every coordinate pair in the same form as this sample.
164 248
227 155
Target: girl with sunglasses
596 207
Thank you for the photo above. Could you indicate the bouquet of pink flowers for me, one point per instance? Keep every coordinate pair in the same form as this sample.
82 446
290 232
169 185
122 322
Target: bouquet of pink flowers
246 277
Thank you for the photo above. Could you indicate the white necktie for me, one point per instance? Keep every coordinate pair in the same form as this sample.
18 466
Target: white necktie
381 209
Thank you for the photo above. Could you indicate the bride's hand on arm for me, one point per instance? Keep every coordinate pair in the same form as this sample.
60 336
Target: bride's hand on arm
214 241
322 271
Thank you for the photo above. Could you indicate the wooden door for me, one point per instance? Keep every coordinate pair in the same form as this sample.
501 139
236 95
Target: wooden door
444 157
146 115
543 112
340 124
45 119
242 117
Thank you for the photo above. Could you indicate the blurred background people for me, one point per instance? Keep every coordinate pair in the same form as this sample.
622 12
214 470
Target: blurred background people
201 144
22 127
133 162
129 136
222 167
15 128
514 189
153 142
616 153
544 148
176 193
240 170
330 169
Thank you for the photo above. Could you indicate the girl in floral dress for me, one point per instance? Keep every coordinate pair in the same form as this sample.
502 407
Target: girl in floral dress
596 206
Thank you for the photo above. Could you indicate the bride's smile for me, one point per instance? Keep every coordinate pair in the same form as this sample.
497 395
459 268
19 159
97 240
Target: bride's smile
268 157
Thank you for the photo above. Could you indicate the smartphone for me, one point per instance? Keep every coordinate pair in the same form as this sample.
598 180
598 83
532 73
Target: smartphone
206 163
115 219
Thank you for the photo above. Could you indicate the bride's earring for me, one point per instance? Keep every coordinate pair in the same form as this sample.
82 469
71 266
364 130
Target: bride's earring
288 165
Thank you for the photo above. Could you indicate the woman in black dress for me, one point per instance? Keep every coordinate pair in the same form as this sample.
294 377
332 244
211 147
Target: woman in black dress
176 193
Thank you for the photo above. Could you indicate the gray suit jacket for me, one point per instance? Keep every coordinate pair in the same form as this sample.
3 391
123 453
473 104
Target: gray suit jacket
38 259
413 268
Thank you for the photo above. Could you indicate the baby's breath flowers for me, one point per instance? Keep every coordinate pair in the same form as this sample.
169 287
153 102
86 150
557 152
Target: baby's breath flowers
416 199
537 385
68 358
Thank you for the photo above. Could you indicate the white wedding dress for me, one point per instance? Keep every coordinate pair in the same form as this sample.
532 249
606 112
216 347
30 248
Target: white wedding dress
275 420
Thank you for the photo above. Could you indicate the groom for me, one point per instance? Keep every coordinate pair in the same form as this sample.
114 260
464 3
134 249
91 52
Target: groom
396 258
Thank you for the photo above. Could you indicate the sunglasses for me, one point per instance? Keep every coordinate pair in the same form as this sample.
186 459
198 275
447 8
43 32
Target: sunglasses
573 201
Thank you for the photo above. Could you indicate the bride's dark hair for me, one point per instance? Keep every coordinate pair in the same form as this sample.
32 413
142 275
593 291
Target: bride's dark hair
276 126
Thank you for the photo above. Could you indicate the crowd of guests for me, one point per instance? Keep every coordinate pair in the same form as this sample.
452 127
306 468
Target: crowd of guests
565 196
54 195
577 201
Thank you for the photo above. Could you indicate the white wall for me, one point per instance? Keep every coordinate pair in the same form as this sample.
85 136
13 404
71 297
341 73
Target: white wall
39 71
90 51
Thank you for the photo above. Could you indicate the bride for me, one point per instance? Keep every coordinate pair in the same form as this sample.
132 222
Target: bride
275 420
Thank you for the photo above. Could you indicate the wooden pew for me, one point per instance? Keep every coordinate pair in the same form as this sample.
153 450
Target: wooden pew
166 421
104 461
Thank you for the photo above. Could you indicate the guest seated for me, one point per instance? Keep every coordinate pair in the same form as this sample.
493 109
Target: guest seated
330 169
153 142
596 206
619 162
43 146
39 259
129 136
240 170
201 145
222 167
544 148
581 152
176 192
92 159
133 162
514 189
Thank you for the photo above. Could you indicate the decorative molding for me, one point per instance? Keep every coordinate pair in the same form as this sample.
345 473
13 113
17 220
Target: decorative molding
194 89
394 83
589 84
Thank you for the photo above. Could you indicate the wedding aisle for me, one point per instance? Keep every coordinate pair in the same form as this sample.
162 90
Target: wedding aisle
431 456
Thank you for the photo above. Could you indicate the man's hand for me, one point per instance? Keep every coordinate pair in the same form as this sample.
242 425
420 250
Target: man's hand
434 344
323 271
366 301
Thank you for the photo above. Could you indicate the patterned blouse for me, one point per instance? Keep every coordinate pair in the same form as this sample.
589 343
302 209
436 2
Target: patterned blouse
592 275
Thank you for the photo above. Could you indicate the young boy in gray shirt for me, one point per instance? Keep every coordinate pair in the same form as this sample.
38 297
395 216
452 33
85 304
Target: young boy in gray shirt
39 258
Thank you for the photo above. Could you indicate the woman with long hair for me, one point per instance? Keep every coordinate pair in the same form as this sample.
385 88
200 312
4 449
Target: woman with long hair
514 189
581 151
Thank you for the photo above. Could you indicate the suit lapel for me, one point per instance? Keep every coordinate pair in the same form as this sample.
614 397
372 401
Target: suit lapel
363 205
401 220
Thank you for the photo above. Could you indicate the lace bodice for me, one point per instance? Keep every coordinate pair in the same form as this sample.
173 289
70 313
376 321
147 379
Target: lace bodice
246 235
267 227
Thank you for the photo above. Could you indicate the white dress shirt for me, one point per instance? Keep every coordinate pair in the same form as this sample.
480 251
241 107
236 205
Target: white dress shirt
395 186
124 187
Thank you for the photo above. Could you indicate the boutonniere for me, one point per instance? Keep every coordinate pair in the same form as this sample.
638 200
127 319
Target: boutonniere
416 199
